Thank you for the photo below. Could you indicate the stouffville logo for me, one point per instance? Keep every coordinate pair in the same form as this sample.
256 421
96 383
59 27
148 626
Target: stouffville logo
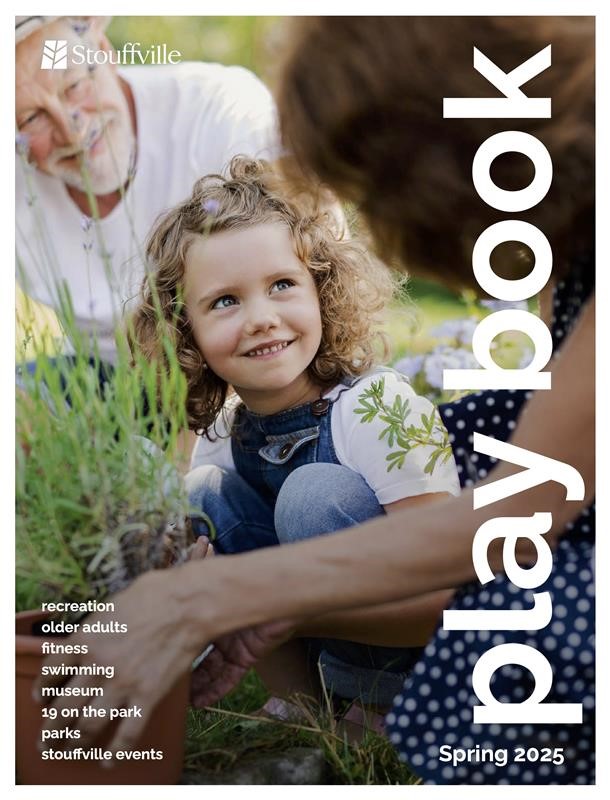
54 54
57 55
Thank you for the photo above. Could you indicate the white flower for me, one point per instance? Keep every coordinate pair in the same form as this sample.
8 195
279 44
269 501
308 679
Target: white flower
459 329
409 366
447 358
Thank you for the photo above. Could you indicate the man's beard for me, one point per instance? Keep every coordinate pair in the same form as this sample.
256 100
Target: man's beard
103 173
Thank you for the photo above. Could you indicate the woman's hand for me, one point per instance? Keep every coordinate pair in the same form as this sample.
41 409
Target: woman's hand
154 650
232 655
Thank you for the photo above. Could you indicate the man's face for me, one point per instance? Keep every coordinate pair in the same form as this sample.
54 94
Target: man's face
73 120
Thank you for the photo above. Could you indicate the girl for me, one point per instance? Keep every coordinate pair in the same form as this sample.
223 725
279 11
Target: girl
275 318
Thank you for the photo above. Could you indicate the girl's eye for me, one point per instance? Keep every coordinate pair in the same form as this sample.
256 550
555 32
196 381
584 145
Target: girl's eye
282 284
226 301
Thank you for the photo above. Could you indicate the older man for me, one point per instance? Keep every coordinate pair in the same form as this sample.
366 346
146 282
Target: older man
104 151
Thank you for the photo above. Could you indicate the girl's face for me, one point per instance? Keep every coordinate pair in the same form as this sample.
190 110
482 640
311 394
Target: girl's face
255 314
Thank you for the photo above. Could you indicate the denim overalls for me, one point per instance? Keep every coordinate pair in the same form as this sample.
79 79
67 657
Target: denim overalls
266 449
289 486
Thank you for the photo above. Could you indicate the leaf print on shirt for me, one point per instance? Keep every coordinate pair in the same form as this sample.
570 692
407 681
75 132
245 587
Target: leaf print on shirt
401 434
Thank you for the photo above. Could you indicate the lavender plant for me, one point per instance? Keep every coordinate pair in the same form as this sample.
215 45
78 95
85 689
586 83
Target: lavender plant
98 501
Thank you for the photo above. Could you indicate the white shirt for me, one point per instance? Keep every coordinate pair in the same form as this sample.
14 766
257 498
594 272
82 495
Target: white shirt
192 118
358 444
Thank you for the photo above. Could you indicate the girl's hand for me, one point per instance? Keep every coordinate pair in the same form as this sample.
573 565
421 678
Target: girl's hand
232 656
200 549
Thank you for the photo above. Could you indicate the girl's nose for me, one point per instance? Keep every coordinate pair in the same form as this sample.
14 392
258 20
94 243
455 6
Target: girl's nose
261 318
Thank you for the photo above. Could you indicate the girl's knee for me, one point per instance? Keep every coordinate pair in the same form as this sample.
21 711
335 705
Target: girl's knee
226 508
204 488
204 481
321 498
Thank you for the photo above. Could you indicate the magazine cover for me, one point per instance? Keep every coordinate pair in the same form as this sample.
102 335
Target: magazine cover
305 400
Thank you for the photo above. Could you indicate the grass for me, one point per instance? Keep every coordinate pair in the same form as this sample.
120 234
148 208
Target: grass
229 736
37 328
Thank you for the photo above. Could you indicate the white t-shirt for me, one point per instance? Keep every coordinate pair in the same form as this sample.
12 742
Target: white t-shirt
192 118
358 444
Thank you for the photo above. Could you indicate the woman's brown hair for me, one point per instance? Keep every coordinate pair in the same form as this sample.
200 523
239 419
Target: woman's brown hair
361 106
352 287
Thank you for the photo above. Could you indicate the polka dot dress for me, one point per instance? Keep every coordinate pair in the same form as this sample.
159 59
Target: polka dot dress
435 708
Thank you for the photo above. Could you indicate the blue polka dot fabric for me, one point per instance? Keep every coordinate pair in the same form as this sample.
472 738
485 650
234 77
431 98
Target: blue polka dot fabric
431 722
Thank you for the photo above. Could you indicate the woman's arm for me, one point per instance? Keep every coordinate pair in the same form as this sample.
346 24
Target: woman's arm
405 623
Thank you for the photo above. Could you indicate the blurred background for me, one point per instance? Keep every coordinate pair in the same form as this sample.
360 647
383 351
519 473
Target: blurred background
256 43
253 42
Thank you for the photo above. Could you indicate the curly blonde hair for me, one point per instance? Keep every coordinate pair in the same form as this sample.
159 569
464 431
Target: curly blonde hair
352 287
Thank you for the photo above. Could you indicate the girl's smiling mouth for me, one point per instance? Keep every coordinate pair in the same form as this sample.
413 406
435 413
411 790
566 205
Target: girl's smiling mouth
269 349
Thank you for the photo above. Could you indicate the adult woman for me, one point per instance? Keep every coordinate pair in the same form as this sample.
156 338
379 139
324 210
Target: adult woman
375 132
377 136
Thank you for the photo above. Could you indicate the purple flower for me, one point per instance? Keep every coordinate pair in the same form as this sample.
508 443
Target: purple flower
22 143
503 305
92 135
459 329
80 26
76 119
409 366
211 206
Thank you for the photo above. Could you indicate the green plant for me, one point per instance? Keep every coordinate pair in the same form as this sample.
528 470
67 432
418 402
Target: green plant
97 500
